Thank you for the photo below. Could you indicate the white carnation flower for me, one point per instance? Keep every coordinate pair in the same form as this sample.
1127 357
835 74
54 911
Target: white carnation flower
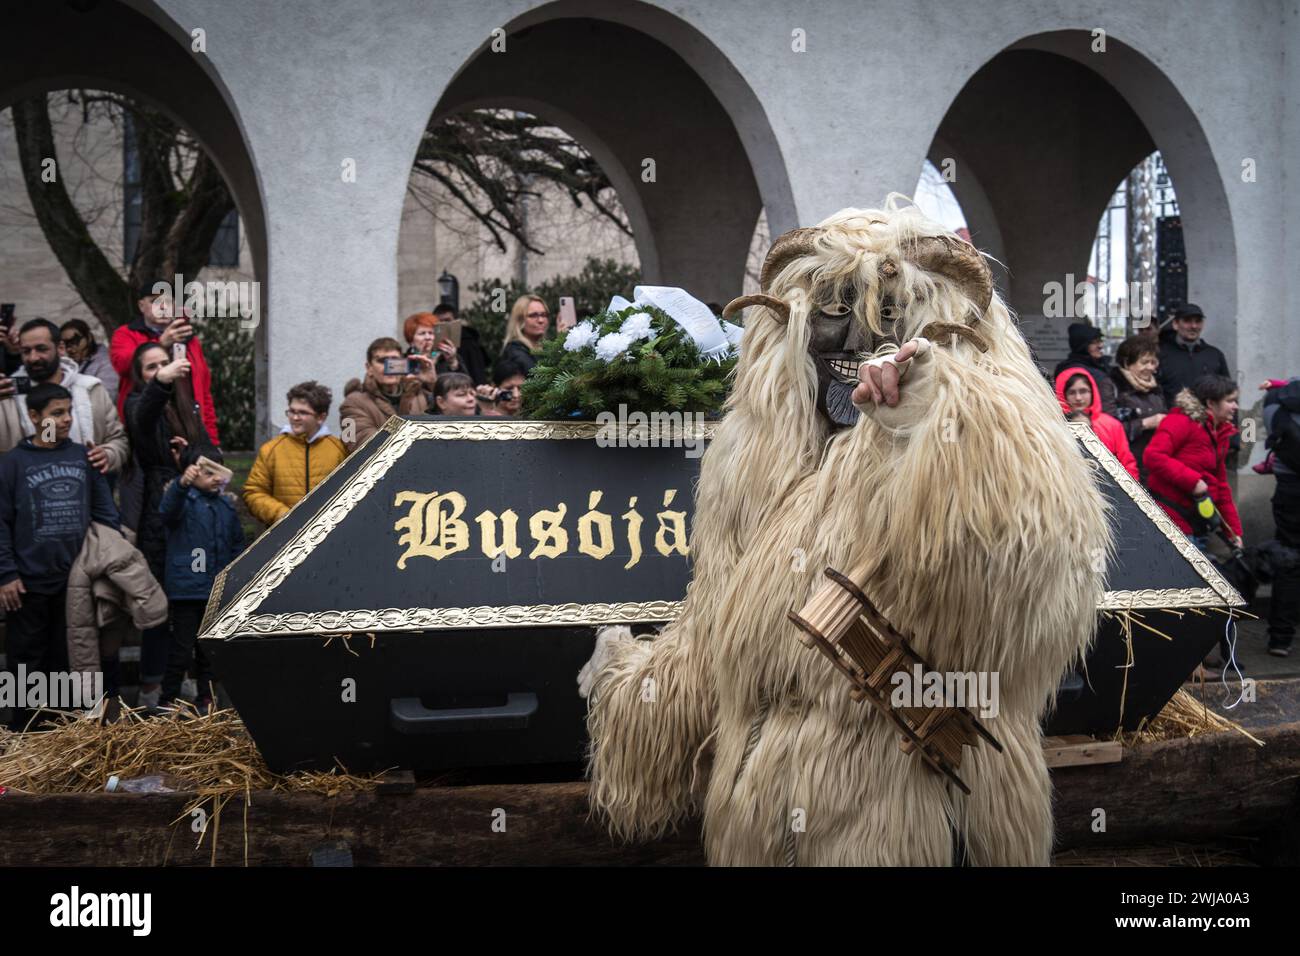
611 345
580 336
638 326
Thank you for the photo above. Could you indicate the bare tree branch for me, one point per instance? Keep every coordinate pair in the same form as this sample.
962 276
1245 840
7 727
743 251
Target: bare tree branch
492 161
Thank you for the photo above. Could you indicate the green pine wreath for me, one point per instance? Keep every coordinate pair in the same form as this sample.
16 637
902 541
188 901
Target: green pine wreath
663 371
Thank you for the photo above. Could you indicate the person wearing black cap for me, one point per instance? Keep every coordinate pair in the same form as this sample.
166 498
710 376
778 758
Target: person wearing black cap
1185 357
1085 353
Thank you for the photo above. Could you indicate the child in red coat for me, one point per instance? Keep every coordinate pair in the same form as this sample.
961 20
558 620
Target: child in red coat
1076 390
1187 456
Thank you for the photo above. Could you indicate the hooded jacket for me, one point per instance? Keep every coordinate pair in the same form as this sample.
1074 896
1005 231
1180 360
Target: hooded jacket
94 419
367 408
1110 431
1185 449
127 338
203 536
287 467
110 588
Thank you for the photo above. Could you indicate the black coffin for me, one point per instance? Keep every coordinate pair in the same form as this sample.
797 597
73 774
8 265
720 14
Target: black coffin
344 635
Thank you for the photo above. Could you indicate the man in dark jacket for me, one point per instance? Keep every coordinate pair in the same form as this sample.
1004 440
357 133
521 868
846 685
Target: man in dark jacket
473 357
1085 352
1282 419
49 495
1185 357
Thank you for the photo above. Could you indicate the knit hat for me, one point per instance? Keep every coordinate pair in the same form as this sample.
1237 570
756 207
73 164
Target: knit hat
1082 334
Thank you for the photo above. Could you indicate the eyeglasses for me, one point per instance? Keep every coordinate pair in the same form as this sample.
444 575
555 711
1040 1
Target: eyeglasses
539 315
299 413
73 339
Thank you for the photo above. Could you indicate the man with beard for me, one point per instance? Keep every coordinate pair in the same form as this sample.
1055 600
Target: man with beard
95 423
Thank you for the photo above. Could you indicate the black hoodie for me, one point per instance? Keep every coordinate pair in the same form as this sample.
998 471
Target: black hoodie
48 497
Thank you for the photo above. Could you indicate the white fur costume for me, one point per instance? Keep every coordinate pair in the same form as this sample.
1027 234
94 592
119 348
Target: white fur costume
986 529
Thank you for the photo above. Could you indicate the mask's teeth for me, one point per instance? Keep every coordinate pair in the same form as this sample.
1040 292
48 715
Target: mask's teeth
844 369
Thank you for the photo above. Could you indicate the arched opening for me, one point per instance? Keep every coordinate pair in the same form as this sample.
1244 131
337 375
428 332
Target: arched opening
1041 134
503 199
692 182
99 48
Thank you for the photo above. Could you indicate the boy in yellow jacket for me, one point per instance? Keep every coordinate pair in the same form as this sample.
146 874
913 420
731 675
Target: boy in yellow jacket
296 460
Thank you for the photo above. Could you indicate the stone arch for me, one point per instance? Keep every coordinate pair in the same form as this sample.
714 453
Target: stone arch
611 75
99 47
1047 128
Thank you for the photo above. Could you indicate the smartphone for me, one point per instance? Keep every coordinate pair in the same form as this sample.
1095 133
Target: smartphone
6 315
178 350
401 366
568 316
449 330
23 384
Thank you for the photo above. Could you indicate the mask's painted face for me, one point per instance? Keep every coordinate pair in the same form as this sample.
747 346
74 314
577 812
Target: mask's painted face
839 333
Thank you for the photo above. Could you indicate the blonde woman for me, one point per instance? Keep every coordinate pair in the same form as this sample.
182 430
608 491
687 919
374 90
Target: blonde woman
525 329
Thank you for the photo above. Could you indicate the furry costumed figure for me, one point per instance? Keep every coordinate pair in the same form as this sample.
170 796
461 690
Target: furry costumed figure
971 501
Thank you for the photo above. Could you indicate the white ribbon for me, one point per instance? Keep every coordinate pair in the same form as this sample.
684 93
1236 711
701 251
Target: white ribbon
713 338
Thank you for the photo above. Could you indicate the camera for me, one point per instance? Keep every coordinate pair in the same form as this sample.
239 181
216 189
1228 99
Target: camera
401 366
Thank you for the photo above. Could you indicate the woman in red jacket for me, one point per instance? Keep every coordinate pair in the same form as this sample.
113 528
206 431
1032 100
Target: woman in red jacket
1187 456
1076 390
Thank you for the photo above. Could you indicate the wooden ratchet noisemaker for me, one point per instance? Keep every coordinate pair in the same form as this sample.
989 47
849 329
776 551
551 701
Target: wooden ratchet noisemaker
843 624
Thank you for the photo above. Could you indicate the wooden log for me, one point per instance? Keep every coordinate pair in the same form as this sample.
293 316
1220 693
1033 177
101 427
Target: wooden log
1183 789
545 824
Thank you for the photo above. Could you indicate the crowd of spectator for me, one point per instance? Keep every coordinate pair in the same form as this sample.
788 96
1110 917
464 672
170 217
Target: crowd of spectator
111 464
113 487
1167 409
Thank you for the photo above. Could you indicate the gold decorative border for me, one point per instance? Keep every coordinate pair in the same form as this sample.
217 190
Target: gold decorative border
214 599
403 432
448 618
1219 593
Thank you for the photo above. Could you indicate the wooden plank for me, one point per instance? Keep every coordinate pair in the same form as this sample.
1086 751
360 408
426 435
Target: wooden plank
1075 750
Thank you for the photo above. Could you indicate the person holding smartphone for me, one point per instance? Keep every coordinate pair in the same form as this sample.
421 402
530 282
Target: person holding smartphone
160 322
525 329
95 422
394 384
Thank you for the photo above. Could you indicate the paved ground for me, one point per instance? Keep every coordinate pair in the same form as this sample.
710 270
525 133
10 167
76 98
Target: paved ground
1252 639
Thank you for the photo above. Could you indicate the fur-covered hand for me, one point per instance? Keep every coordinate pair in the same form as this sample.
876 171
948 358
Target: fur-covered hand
879 378
606 638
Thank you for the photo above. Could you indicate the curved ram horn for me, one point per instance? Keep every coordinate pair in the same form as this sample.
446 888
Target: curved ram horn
788 245
767 301
959 261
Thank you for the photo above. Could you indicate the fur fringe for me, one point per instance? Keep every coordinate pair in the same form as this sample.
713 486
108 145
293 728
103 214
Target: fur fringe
990 539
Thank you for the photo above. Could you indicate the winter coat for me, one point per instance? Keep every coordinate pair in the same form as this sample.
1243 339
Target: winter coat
1100 371
367 409
203 536
110 590
98 366
1185 449
1182 366
520 354
473 357
94 419
1140 405
128 338
1110 431
151 434
287 467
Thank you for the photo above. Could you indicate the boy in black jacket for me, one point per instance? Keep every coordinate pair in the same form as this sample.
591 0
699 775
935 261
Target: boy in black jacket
49 494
